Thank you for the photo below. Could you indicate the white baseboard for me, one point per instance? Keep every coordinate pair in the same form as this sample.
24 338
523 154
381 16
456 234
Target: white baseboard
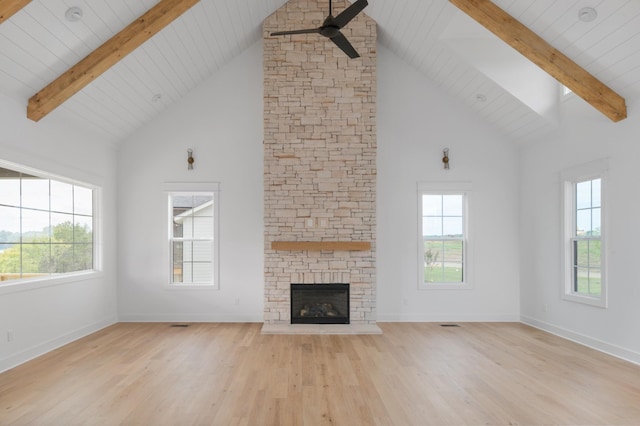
42 348
191 318
590 342
447 318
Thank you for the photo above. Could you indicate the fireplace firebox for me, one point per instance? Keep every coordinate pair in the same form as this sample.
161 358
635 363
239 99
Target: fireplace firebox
319 303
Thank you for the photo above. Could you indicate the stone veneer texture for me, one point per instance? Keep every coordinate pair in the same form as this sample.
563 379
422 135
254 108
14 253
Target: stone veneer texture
319 157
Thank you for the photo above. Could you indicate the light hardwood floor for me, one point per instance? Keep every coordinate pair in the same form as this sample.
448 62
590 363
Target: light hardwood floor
413 374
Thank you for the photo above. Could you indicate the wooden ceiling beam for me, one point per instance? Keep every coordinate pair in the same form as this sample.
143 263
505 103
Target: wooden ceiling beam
105 56
9 7
541 53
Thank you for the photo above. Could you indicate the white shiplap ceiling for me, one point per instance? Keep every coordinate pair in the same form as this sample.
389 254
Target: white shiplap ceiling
38 44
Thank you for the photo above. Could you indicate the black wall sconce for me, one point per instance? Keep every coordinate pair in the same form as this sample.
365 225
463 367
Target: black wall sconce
190 159
445 158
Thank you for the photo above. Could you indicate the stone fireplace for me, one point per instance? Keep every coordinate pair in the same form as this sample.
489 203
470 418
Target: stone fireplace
319 160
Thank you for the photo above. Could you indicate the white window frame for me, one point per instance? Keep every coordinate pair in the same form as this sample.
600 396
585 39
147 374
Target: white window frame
23 284
447 188
570 178
193 188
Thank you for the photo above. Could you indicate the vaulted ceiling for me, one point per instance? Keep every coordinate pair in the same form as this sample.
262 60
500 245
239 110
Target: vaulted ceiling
38 44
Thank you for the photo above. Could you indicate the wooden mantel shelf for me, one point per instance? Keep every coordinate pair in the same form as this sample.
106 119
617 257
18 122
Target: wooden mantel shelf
321 245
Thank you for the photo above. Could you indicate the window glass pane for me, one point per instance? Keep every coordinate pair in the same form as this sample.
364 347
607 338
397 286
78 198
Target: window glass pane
581 253
9 224
187 272
433 273
82 200
181 203
203 227
583 195
10 262
82 257
452 205
582 280
431 205
82 230
202 272
62 258
9 188
35 258
432 226
203 205
177 253
452 226
177 228
62 226
35 225
433 253
595 222
202 251
594 254
596 192
595 282
187 226
587 273
187 251
61 197
35 193
583 222
452 261
177 273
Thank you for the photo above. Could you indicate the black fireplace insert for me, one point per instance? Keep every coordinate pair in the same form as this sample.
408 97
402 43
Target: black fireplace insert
319 303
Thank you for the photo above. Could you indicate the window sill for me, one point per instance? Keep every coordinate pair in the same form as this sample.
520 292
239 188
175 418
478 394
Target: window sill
190 287
442 286
28 284
586 300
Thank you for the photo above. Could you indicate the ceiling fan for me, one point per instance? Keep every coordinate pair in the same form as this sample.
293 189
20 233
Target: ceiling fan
331 27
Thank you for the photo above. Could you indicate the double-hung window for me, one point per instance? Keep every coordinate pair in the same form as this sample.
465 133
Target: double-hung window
46 225
584 254
193 218
443 237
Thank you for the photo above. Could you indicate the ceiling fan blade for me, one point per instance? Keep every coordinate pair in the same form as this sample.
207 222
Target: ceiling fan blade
309 31
349 13
341 41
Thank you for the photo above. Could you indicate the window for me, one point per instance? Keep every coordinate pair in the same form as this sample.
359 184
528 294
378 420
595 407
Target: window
584 235
193 238
565 90
443 247
46 225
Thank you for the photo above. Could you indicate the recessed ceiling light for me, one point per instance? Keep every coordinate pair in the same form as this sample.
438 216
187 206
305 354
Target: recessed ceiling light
481 98
156 98
587 14
73 14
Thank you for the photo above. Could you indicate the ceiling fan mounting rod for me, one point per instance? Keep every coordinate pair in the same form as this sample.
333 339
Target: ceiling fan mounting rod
330 13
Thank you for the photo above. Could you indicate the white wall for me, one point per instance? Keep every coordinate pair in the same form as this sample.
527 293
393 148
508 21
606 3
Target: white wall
43 317
585 135
222 122
416 120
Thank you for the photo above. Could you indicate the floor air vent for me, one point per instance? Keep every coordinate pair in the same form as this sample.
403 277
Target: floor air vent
449 325
179 325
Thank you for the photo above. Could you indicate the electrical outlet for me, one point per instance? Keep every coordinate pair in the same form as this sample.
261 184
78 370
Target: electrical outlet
311 222
10 336
545 308
237 300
